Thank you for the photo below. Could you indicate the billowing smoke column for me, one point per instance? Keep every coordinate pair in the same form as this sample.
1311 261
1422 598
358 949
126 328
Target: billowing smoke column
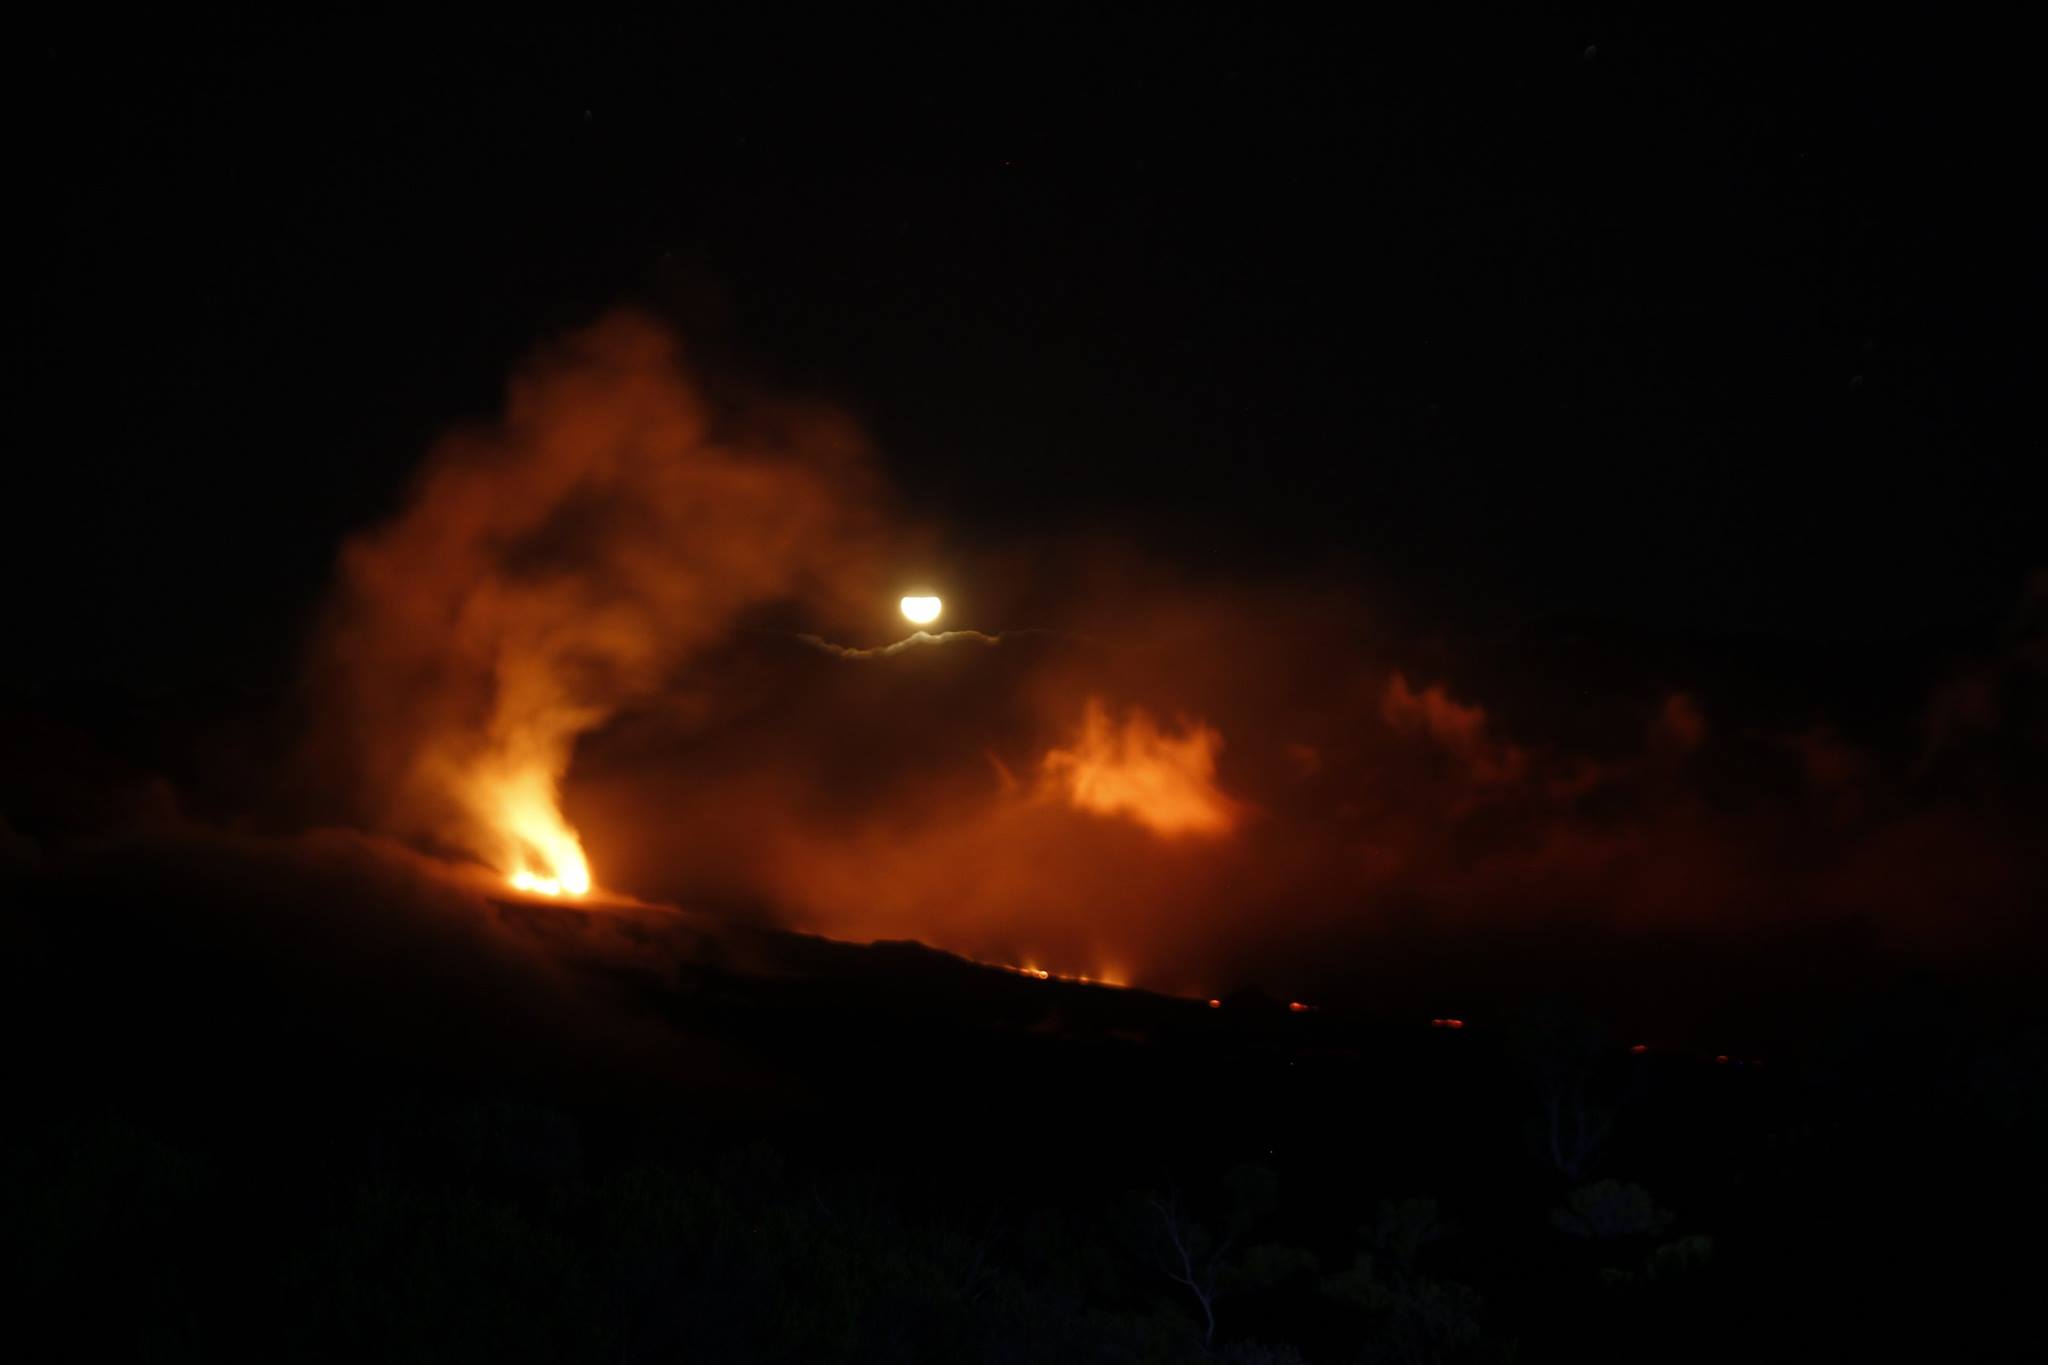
556 566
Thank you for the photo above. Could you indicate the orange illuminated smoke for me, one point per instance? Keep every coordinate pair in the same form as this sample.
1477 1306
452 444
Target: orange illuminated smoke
1139 771
556 567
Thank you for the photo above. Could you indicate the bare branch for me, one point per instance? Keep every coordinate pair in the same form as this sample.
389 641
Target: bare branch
1201 1285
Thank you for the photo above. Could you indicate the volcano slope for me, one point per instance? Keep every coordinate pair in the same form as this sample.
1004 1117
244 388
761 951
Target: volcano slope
311 1099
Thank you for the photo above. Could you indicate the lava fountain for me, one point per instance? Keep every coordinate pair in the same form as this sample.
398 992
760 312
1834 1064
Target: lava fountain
558 565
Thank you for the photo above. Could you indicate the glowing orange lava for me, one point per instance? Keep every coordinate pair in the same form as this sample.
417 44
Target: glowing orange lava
573 883
542 854
1109 977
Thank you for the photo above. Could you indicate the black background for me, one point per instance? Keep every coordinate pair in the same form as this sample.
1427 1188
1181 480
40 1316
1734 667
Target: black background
1695 351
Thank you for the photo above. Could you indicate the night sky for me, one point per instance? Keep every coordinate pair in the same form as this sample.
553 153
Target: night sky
1681 335
1595 364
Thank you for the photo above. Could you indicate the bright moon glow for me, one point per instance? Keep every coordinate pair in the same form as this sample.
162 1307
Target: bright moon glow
921 610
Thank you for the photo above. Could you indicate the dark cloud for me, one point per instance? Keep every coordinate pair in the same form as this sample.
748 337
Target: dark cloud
923 639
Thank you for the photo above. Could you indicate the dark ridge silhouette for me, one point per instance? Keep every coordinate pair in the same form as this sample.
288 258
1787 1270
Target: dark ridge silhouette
320 1100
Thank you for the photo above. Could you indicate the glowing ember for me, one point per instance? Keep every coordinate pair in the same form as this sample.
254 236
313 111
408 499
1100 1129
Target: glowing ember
921 611
1107 978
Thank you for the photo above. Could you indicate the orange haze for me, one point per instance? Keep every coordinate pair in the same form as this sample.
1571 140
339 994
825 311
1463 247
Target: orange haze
616 618
1165 782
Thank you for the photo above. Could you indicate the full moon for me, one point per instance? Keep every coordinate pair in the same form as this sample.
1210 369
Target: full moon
921 610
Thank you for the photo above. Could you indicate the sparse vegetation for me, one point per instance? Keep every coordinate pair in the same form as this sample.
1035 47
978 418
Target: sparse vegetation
436 1230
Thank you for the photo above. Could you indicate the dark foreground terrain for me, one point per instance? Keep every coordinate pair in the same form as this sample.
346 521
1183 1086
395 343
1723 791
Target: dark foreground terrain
533 1133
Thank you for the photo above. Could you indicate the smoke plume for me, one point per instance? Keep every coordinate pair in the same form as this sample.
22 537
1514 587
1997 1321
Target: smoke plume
557 565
